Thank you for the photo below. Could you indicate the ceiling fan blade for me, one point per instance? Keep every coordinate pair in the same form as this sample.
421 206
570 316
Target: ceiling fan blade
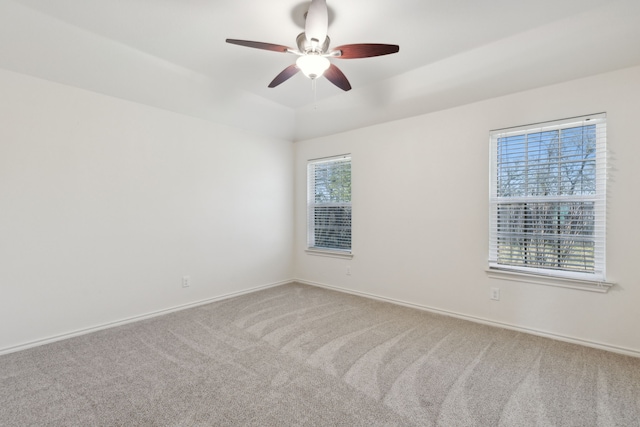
365 50
337 77
285 75
260 45
317 22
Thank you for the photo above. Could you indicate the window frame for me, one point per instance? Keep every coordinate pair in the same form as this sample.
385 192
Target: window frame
311 247
539 274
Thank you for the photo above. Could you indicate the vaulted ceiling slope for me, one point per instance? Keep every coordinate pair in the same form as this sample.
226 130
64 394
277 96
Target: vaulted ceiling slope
172 54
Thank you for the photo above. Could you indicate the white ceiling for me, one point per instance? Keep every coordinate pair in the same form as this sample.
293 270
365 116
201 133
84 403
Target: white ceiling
172 54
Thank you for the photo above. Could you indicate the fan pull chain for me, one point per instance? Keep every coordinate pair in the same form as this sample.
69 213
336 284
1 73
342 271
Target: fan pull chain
314 87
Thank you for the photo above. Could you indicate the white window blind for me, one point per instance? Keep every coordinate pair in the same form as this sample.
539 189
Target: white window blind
329 204
547 198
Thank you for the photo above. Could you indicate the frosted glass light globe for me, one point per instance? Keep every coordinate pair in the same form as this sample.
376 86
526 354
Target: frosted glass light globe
313 65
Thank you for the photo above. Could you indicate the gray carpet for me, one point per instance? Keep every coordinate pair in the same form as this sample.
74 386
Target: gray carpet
299 355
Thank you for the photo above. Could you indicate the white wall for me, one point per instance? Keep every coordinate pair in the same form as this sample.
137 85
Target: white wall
105 204
420 213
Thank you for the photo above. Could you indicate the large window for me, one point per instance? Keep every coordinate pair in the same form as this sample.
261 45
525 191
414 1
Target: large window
329 204
548 198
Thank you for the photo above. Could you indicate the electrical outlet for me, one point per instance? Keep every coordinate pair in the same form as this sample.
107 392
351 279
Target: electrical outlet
186 281
348 270
495 294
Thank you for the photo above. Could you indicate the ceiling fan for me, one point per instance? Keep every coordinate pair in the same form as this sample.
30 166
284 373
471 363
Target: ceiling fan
313 50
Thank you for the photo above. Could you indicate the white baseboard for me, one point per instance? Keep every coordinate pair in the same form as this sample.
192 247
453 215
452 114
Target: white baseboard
100 327
532 331
573 340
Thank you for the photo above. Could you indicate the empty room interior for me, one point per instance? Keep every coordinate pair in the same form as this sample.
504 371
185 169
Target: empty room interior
435 228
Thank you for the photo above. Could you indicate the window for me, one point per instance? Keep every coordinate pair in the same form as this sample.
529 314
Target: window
329 204
548 198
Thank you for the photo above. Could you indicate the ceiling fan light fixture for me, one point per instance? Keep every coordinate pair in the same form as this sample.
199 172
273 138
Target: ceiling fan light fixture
313 65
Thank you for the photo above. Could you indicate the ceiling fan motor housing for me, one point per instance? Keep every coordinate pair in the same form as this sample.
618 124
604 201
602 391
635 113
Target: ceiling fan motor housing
305 46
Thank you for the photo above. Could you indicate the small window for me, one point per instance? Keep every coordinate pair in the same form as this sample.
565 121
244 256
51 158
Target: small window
548 184
329 204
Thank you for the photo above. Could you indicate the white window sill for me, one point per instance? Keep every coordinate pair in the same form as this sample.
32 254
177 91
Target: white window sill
562 282
329 253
